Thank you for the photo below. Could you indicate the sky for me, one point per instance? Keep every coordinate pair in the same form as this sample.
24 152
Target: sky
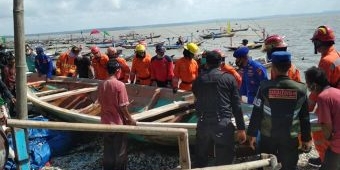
44 16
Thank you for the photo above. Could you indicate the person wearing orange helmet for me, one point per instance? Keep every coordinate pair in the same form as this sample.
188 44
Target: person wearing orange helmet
324 40
186 68
65 64
140 69
99 62
276 43
113 54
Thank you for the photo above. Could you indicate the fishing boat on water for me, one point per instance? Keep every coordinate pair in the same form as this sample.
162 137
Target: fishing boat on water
216 35
251 46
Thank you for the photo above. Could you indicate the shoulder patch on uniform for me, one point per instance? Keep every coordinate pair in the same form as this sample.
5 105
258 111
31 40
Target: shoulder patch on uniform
259 71
257 102
282 94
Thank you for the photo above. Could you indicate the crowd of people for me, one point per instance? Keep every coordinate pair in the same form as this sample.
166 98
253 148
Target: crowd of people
279 122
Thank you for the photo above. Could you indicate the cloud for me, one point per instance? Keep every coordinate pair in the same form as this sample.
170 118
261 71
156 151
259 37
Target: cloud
65 15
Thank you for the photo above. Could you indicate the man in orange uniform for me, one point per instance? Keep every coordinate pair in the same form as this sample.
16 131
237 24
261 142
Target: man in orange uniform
112 53
65 64
162 67
99 62
228 68
140 69
324 40
186 68
276 43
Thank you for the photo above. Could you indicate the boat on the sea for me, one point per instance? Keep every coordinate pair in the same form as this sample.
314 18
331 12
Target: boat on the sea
216 35
73 100
251 46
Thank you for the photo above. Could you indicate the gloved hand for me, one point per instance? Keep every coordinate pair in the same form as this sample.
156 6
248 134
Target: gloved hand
174 90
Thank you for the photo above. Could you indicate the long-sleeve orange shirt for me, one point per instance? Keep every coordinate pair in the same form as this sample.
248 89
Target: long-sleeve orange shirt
99 66
140 70
231 70
185 70
65 65
124 76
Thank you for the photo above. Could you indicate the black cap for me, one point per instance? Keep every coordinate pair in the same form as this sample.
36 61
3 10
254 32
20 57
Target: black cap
160 48
213 57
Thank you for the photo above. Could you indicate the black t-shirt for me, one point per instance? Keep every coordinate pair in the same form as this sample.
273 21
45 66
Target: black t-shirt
83 64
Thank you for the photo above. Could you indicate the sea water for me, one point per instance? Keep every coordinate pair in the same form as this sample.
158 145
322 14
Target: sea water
297 29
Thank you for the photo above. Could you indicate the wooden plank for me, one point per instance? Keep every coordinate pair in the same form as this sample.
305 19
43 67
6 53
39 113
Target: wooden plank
160 110
181 134
68 93
48 92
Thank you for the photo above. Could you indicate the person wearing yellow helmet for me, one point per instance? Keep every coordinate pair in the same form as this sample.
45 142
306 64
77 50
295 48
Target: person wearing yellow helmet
186 68
140 69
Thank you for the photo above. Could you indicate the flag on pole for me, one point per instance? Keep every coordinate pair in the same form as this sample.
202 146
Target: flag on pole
228 27
106 33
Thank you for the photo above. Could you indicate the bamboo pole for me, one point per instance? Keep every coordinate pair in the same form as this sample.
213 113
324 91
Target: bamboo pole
181 133
19 41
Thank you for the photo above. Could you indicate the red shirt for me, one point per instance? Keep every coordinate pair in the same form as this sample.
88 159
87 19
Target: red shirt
112 95
162 69
328 111
9 73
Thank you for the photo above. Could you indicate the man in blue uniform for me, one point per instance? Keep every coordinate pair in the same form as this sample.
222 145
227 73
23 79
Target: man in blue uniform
252 73
217 101
43 63
280 113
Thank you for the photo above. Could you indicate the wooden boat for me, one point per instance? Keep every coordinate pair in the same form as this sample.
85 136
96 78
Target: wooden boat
251 46
216 35
73 100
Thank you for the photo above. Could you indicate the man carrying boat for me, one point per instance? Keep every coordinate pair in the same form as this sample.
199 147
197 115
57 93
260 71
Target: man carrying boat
65 64
99 62
113 99
324 40
328 112
186 68
252 73
112 53
276 43
140 69
162 67
217 101
280 110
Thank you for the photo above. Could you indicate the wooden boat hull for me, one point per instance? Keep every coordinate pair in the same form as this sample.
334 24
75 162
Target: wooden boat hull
73 100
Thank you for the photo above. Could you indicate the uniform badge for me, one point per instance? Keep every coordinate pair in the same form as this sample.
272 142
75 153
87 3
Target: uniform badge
259 71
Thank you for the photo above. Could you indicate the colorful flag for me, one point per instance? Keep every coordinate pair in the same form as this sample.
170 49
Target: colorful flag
228 27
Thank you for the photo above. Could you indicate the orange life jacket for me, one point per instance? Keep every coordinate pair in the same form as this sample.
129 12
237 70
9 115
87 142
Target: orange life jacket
65 65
